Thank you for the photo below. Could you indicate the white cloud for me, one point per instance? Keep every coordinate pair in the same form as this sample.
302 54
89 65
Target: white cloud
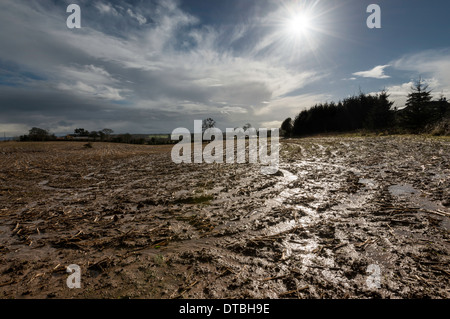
288 106
233 109
376 73
99 91
90 80
89 73
432 64
139 17
271 124
106 8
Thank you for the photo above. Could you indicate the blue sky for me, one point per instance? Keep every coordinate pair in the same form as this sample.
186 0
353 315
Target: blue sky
153 66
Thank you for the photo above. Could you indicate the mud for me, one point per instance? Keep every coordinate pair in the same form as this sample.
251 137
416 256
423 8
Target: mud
140 226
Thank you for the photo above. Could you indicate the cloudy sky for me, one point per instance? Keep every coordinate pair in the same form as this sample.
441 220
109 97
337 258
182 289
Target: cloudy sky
152 66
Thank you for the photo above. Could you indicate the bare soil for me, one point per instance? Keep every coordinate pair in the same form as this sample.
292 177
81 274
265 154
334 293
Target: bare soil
140 226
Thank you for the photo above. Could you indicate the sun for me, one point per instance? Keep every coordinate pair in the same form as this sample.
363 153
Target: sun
299 24
301 27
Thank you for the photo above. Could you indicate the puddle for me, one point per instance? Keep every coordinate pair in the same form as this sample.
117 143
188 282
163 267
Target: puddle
402 190
417 199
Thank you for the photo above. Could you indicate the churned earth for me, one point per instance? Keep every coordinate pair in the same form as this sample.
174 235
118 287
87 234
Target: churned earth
345 217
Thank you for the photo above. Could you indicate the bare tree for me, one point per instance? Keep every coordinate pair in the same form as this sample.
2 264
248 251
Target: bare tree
107 132
208 123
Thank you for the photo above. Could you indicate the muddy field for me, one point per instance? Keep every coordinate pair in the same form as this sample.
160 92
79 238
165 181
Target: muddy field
353 217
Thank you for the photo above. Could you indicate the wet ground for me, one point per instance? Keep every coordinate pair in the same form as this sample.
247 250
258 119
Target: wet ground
344 217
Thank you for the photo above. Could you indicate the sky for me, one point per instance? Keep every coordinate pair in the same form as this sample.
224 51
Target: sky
153 66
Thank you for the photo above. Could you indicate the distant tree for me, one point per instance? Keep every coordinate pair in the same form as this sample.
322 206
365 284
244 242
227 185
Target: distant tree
81 132
94 135
416 114
353 113
443 106
373 112
247 126
107 133
208 123
127 138
101 135
380 114
287 127
38 134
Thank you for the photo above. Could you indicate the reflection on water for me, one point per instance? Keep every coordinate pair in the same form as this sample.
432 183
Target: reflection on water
401 190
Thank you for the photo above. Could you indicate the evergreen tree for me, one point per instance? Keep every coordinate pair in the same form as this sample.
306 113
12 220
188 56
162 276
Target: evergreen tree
380 115
443 107
416 113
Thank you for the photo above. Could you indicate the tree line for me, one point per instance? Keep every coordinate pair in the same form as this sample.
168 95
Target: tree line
371 113
39 134
104 135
